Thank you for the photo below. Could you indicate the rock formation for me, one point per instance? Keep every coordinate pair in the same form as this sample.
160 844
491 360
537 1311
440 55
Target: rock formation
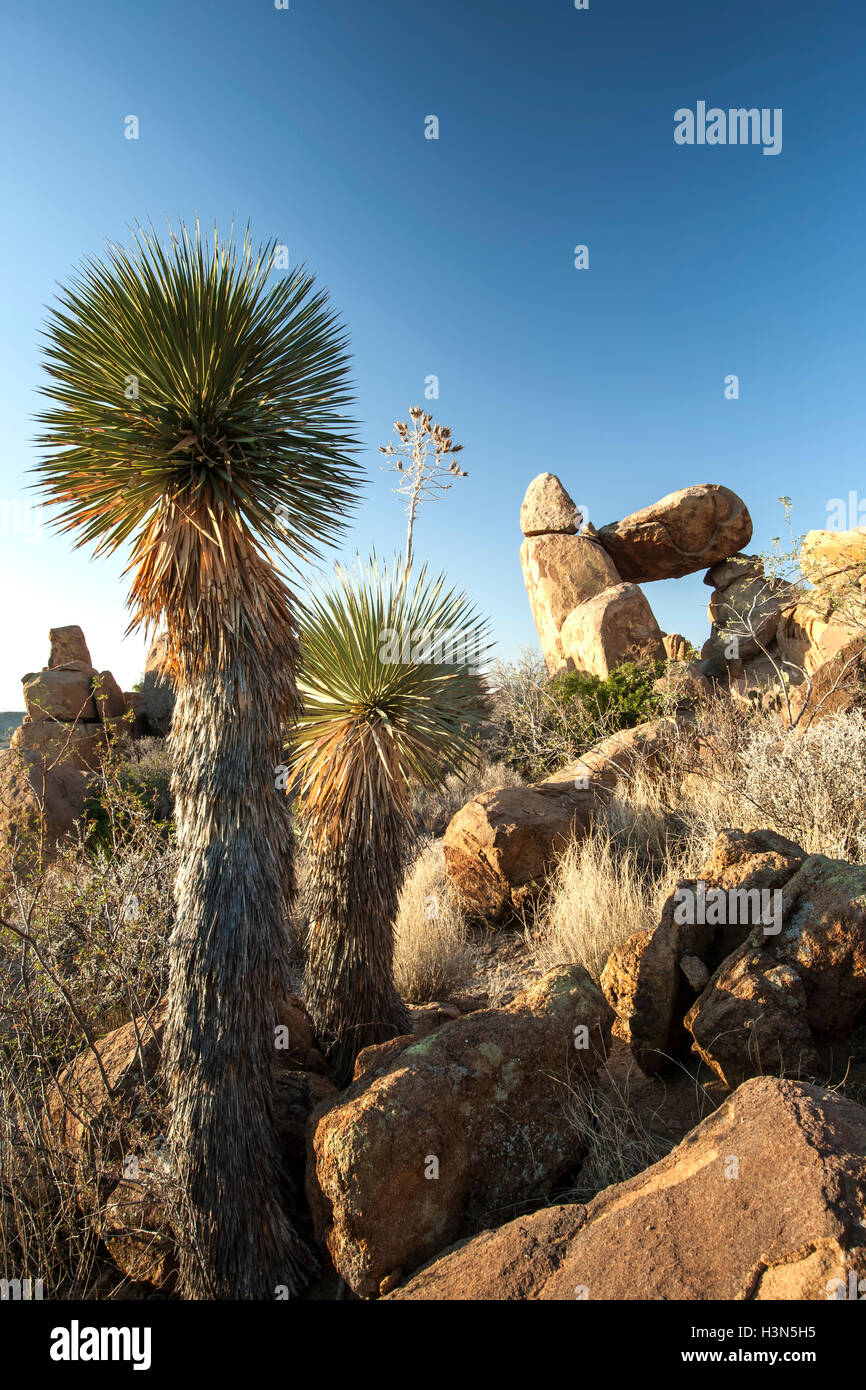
453 1130
759 965
680 534
583 588
765 1199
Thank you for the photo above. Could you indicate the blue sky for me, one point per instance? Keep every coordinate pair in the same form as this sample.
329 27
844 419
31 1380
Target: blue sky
454 257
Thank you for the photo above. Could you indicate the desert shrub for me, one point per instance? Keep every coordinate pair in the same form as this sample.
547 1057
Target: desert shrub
146 771
82 951
431 956
538 723
811 788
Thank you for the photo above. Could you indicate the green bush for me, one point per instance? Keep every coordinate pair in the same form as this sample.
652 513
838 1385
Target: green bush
538 724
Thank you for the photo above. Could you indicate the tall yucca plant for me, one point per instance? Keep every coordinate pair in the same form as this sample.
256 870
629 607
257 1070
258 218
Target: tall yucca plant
196 414
390 696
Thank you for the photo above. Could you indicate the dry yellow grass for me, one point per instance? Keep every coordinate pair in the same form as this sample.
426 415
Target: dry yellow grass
431 955
615 881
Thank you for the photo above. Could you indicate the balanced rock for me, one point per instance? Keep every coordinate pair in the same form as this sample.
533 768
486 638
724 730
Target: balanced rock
454 1131
561 571
616 625
67 644
765 1199
682 533
548 508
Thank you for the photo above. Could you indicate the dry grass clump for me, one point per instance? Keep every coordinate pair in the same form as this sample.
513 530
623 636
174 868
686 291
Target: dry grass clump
431 954
603 890
617 1141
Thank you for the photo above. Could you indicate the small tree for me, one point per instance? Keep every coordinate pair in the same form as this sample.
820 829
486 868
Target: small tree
420 459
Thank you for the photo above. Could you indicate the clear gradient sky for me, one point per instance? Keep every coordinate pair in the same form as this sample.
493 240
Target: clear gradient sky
454 257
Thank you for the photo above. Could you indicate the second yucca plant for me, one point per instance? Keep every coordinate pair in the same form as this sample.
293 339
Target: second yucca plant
391 696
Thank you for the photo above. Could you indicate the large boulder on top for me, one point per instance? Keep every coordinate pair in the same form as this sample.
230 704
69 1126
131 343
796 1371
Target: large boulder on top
67 644
466 1124
561 571
765 1199
548 508
616 625
652 979
681 533
501 844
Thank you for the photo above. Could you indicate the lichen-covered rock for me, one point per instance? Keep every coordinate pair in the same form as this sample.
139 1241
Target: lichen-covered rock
643 979
765 1199
455 1130
789 998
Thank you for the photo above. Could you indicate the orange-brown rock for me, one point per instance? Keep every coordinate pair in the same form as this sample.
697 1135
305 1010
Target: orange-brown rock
458 1128
681 533
789 997
501 844
752 1019
765 1199
67 644
621 756
834 559
560 572
38 804
76 745
616 625
547 508
676 647
108 696
819 628
643 979
63 692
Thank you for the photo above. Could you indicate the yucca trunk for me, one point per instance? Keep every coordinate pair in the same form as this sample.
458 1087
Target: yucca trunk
228 960
349 983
